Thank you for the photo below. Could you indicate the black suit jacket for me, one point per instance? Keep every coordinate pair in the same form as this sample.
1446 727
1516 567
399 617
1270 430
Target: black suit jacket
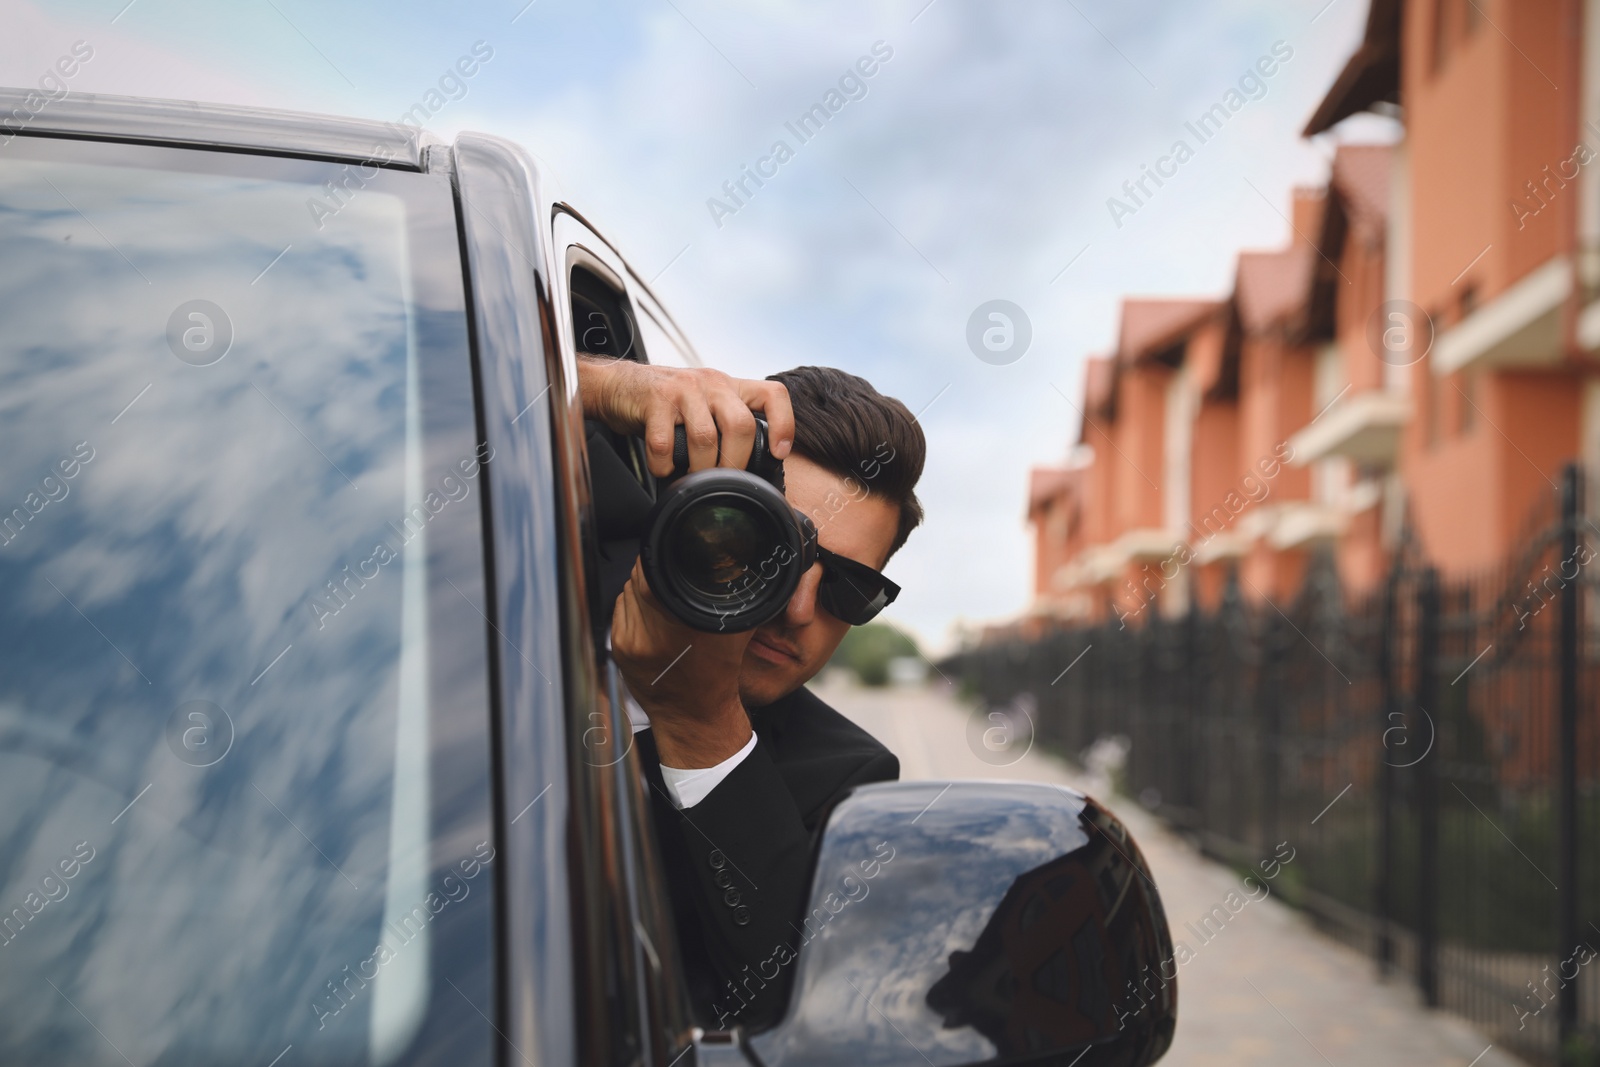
737 863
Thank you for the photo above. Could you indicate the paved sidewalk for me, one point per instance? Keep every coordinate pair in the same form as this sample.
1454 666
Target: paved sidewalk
1268 989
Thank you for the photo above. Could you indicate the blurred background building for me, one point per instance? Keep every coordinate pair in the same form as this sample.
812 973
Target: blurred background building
1423 347
1319 555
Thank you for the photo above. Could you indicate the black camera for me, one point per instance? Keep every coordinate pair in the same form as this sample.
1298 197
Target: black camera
722 549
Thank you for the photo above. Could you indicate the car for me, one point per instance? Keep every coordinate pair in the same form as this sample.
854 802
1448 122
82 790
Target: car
310 752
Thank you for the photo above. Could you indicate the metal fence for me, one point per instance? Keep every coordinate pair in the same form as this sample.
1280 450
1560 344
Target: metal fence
1431 751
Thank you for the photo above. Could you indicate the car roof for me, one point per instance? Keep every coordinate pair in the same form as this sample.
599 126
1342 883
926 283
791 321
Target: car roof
226 126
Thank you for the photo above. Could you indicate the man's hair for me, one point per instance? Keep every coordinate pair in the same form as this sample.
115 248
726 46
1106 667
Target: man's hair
844 425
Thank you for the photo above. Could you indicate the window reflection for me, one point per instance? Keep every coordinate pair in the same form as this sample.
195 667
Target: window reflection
239 562
1007 926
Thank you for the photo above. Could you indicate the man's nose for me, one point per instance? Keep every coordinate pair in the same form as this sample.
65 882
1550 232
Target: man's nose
803 604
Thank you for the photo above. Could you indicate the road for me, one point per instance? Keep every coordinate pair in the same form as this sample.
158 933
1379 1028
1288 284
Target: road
1268 989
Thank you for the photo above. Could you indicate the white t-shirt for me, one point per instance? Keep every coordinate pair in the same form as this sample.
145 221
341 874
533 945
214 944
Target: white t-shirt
689 787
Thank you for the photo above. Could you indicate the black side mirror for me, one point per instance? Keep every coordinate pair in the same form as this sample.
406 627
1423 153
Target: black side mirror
978 923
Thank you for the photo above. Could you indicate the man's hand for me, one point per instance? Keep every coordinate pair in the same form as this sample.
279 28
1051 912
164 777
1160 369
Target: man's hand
634 398
686 681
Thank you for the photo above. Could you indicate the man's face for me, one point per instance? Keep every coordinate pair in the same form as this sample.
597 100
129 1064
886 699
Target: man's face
789 650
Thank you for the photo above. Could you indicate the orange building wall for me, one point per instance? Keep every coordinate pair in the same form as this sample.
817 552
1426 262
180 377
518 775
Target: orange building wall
1210 580
1477 130
1275 400
1541 413
1141 426
1098 517
1361 293
1271 573
1203 357
1296 390
1473 491
1049 550
1275 391
1360 555
1539 131
1214 466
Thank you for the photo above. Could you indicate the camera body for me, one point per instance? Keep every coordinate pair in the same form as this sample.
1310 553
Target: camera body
722 549
762 463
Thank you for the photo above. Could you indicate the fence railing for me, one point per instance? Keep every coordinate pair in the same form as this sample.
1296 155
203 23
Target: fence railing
1431 751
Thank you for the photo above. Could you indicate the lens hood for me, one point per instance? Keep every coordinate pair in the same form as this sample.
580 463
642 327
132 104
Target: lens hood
724 550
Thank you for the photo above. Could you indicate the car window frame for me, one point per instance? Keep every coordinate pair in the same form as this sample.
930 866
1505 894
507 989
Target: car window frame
655 966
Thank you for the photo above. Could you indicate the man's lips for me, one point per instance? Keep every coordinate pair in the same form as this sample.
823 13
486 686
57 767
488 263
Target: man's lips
772 650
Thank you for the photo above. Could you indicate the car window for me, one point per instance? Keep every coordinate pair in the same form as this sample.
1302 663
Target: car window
662 347
602 320
244 756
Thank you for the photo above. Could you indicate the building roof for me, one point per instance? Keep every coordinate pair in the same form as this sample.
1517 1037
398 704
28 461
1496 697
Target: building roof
1272 286
1371 76
1048 483
1357 209
1273 289
1151 325
1360 181
1099 389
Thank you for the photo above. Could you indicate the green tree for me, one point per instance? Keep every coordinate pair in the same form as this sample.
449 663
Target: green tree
867 650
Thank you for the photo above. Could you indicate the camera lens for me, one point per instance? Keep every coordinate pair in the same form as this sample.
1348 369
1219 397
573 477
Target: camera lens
717 547
723 550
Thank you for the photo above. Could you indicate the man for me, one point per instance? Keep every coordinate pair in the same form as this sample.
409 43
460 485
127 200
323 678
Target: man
744 762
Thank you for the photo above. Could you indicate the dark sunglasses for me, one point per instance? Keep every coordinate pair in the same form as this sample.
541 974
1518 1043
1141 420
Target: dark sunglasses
852 592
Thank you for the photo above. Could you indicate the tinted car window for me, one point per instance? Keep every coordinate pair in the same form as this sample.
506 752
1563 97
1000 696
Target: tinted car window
244 785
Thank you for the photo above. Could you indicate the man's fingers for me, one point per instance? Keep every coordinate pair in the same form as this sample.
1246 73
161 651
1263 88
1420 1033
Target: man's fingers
631 398
640 586
772 400
636 617
738 428
701 429
661 419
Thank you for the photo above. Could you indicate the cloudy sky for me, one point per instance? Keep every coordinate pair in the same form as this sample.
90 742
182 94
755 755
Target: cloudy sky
976 165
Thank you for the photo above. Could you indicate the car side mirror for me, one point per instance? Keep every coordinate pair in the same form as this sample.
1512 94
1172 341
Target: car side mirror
978 922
